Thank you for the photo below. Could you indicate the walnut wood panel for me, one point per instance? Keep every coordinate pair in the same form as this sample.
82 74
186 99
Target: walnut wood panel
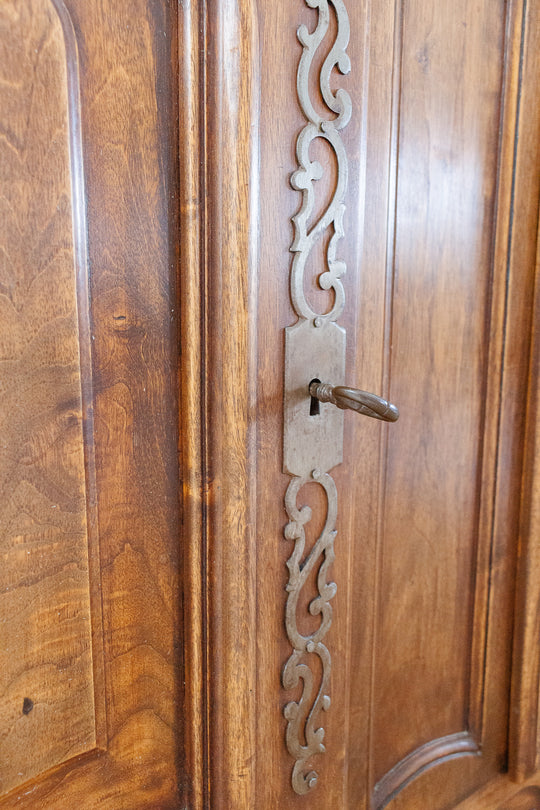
433 534
526 799
439 314
127 60
47 688
501 794
228 43
524 716
484 636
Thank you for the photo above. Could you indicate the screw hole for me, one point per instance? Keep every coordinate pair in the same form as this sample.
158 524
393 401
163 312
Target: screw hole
314 405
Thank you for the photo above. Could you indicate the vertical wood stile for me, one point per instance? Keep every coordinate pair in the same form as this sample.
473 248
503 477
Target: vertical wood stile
524 714
191 32
219 88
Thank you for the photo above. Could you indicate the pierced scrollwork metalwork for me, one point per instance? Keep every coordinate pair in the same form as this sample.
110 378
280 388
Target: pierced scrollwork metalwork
296 669
305 733
308 172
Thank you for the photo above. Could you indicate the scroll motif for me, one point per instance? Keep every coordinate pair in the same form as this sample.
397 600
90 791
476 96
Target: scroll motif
305 733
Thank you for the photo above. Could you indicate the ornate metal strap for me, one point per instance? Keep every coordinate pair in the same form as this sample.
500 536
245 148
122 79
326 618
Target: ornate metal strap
305 733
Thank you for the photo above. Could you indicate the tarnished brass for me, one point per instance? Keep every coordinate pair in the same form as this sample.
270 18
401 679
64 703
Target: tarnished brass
311 353
315 352
314 349
355 400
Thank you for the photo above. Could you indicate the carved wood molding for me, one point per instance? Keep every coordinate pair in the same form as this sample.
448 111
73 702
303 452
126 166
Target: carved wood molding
418 761
217 432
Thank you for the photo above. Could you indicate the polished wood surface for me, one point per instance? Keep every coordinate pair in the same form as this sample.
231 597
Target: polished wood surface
524 715
229 335
439 311
47 704
120 64
192 222
502 794
431 632
156 172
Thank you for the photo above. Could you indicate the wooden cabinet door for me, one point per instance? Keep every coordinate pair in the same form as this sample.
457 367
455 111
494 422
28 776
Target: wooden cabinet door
433 684
90 631
439 240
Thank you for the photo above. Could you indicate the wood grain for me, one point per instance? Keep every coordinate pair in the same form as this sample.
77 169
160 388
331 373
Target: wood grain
191 102
188 136
127 57
47 689
439 317
231 87
501 794
449 100
524 716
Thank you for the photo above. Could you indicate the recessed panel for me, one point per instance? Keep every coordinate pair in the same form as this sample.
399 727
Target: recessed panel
46 682
449 96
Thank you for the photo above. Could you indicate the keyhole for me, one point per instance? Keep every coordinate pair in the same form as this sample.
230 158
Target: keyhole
314 405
